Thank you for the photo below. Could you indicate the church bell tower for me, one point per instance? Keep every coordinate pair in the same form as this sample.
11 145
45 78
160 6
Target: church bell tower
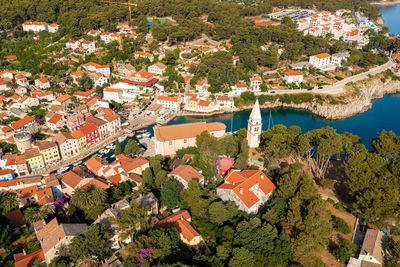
254 127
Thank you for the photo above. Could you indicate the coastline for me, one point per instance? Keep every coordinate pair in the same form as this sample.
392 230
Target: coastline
376 90
385 3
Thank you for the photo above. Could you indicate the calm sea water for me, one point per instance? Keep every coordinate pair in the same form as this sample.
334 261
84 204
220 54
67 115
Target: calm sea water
384 114
391 15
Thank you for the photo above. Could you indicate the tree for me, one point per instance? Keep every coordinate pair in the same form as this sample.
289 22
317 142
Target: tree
387 144
34 214
241 257
131 147
148 178
5 232
161 178
131 220
219 212
156 163
10 203
167 241
227 146
345 251
243 157
92 244
195 199
118 148
170 193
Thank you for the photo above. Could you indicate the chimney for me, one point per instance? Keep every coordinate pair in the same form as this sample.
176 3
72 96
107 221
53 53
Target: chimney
241 191
262 176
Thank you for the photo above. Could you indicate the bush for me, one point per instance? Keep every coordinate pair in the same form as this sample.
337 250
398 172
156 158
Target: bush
345 251
188 150
338 206
341 225
330 200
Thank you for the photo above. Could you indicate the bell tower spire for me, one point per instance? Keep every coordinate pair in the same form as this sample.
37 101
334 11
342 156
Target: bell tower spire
254 126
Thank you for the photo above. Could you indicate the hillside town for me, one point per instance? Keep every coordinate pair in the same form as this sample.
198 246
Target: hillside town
95 171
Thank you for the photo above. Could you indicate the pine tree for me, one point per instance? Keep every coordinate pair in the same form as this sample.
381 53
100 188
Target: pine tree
118 148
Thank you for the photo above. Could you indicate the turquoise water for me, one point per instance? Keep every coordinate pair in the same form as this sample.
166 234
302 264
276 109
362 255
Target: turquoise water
384 114
391 15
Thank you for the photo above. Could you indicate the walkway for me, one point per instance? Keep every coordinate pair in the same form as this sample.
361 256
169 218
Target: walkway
338 87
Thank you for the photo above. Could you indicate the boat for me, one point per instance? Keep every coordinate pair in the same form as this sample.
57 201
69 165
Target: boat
112 156
139 136
146 135
122 138
106 151
77 163
109 146
102 151
141 131
94 155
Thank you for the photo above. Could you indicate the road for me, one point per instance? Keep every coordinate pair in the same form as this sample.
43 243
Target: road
338 87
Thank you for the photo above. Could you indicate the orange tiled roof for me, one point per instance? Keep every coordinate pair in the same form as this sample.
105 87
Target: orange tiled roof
293 73
323 55
168 98
28 260
20 123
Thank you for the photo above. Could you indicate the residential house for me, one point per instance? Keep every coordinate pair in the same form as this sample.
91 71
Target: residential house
238 89
75 121
97 68
113 123
22 124
78 135
191 103
28 260
141 54
338 58
205 106
255 83
63 100
168 139
80 177
113 94
77 76
6 175
34 159
67 144
33 194
142 76
88 46
27 101
181 221
130 165
249 189
53 236
100 124
168 102
73 44
96 165
186 173
98 79
49 151
35 26
320 60
42 83
53 28
126 70
81 95
91 133
372 250
293 76
225 102
15 162
6 74
157 68
56 122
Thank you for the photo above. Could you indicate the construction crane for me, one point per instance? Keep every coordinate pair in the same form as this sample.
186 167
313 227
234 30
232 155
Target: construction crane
129 4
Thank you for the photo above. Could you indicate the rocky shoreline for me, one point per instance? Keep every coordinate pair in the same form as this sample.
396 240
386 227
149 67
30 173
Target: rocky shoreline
377 89
385 3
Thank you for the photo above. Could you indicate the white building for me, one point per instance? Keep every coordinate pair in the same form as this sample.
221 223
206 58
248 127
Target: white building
338 58
225 102
105 37
35 26
157 69
320 60
249 189
293 76
53 28
238 89
168 102
112 94
255 83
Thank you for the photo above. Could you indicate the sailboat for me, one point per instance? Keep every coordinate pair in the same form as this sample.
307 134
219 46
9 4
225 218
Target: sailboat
270 121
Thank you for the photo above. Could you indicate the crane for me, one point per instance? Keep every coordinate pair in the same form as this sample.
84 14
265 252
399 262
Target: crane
129 4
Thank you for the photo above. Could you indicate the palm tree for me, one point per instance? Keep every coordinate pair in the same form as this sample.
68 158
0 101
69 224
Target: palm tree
81 199
98 196
34 214
10 203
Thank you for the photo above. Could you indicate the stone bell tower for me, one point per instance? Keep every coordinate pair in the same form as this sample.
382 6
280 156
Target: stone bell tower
254 127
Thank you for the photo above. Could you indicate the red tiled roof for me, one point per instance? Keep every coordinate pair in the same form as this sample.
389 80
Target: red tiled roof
180 221
241 182
115 179
16 218
168 98
88 128
55 119
28 260
20 123
293 73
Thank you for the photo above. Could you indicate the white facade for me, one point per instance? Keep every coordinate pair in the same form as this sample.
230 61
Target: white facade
171 103
293 77
320 60
254 127
238 89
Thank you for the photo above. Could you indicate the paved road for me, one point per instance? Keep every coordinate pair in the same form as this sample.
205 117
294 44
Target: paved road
338 87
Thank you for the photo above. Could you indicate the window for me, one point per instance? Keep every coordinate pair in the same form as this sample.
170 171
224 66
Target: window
170 143
185 141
